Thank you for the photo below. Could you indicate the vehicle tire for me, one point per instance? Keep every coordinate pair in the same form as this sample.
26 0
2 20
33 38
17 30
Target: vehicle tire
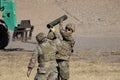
4 36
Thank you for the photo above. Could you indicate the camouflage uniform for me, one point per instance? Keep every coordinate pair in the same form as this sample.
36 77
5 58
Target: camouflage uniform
62 58
45 55
65 35
64 51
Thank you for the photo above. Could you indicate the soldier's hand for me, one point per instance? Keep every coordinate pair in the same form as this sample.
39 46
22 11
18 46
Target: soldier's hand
28 72
61 22
53 29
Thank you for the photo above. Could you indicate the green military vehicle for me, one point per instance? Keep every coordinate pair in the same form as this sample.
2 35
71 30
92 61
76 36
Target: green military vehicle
9 22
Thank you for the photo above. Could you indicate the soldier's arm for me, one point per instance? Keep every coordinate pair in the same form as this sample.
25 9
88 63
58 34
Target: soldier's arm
33 60
52 34
61 29
72 43
61 26
56 34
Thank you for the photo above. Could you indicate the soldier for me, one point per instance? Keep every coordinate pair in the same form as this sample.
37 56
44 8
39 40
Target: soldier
63 55
65 48
67 33
45 55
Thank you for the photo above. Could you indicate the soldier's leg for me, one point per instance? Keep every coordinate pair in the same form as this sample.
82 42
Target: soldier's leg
52 75
58 69
40 76
64 70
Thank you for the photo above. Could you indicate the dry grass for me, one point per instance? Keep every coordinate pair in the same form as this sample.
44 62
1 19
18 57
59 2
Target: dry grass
13 66
81 70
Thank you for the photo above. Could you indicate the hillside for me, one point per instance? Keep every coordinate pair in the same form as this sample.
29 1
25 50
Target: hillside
92 18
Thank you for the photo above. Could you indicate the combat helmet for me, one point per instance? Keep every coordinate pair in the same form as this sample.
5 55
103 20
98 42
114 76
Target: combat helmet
40 37
70 26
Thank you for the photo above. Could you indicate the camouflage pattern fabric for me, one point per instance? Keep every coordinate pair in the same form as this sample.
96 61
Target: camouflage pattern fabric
63 70
52 35
40 37
64 51
65 48
62 57
47 73
44 54
70 26
66 36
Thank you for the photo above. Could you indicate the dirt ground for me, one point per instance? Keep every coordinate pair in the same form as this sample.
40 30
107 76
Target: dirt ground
86 65
97 48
